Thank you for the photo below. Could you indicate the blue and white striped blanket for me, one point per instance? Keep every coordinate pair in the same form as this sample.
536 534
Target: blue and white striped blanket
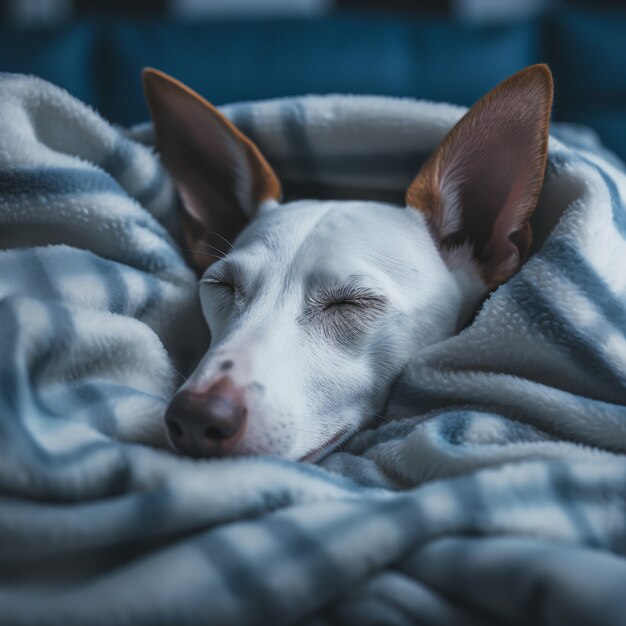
495 493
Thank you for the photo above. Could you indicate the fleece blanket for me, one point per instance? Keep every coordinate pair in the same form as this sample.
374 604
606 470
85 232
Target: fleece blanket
492 492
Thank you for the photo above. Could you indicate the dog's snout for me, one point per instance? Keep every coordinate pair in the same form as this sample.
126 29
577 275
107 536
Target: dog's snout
208 422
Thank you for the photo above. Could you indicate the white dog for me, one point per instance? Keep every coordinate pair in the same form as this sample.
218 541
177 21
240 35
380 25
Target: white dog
319 305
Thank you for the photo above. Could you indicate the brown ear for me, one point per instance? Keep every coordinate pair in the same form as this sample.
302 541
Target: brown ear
220 174
482 183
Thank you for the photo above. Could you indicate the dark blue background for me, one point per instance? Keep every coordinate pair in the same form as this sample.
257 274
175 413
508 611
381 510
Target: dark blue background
99 60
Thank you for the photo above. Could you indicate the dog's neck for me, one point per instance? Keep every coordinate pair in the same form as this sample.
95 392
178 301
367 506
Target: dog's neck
467 277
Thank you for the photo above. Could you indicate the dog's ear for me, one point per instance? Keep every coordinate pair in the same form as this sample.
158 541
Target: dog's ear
482 183
220 174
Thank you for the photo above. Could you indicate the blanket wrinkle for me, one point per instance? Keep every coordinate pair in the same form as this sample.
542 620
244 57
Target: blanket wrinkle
492 492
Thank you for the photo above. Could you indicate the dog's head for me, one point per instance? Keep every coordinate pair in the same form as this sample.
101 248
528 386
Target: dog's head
315 307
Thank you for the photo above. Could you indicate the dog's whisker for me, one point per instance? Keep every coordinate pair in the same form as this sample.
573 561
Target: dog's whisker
223 239
180 374
212 247
379 416
215 256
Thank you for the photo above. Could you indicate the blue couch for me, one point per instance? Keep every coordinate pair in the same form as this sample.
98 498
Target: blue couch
99 60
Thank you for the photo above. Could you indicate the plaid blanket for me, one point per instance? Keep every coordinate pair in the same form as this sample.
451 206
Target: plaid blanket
494 492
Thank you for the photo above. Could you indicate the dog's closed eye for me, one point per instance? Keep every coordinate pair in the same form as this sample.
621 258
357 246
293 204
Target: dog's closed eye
227 291
218 282
347 297
345 314
363 302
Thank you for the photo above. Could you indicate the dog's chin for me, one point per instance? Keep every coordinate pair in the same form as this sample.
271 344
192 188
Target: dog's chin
245 447
319 452
312 456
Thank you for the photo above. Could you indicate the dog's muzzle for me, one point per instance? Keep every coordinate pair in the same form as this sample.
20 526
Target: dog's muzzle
206 423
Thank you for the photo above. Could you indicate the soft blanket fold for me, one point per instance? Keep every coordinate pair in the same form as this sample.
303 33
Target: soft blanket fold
494 491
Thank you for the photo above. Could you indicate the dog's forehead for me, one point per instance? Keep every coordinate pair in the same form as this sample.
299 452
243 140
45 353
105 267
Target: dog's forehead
305 245
334 234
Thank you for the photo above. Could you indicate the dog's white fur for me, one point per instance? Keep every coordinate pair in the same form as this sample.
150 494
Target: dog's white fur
307 380
319 305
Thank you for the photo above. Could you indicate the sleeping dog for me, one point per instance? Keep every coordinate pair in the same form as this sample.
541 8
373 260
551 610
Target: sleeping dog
319 305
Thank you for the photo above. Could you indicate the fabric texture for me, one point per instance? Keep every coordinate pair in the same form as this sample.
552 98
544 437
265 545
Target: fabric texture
494 491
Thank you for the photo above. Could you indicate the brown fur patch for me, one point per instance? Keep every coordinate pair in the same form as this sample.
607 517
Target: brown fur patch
517 110
220 173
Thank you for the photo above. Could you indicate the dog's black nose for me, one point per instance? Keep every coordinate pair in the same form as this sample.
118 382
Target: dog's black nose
207 423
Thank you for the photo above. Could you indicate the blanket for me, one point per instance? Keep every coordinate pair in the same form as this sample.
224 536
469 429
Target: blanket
492 492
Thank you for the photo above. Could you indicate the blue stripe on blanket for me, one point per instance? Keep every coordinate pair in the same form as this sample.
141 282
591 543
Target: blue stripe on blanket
152 188
545 318
571 496
293 117
103 415
122 158
153 299
617 205
568 261
10 381
38 273
51 353
113 281
56 181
